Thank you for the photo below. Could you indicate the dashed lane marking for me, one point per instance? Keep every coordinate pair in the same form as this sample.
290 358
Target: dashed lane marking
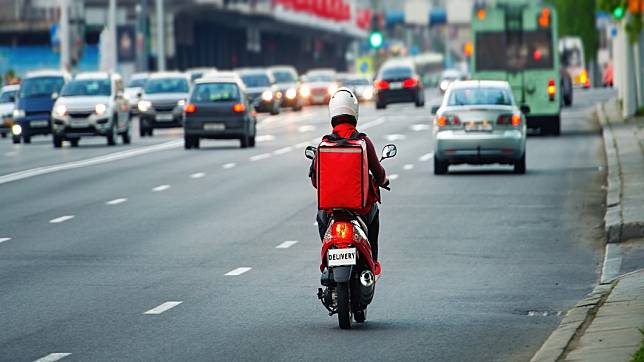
426 157
265 138
287 244
197 175
238 271
2 240
117 201
395 137
163 307
161 188
282 151
373 123
393 177
419 127
52 357
306 128
229 165
408 167
302 145
61 219
261 156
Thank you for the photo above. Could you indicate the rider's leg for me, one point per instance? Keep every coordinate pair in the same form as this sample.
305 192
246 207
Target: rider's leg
374 230
323 223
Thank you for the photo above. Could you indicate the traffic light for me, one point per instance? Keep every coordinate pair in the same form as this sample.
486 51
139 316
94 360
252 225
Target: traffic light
375 39
619 11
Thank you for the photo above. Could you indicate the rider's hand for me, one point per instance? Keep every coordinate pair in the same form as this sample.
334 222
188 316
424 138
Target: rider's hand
386 183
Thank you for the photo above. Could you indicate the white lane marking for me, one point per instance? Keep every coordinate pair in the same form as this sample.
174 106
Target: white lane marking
197 175
265 138
20 175
229 165
395 137
282 151
53 357
58 220
287 244
117 201
307 128
374 123
301 145
261 156
315 223
426 157
162 308
2 240
11 153
419 127
238 271
393 177
612 263
408 167
161 188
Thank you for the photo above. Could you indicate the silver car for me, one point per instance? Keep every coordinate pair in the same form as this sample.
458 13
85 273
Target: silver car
479 123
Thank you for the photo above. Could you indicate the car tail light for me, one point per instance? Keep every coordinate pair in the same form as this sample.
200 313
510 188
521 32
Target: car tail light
552 89
190 108
382 84
509 119
516 120
447 120
410 83
342 231
239 108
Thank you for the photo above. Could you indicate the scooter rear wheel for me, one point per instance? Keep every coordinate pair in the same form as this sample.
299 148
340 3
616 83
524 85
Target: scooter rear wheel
344 305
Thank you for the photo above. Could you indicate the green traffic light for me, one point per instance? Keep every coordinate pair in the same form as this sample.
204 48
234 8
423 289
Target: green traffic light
619 12
375 39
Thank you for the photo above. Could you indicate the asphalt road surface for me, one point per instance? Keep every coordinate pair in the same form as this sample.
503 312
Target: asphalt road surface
159 253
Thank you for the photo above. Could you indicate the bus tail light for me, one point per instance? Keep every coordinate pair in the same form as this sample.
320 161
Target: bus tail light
552 89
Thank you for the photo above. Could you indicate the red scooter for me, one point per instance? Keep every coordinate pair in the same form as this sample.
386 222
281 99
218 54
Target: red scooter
348 269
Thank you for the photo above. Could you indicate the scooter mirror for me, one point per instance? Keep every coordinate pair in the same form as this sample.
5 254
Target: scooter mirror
389 151
309 152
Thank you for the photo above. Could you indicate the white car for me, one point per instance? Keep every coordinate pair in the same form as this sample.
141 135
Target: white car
93 104
7 105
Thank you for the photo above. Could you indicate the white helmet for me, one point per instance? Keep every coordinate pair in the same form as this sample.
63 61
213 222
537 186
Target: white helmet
343 102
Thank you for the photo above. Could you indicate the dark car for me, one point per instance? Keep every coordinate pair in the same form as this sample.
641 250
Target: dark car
36 97
398 82
161 104
286 80
218 108
264 94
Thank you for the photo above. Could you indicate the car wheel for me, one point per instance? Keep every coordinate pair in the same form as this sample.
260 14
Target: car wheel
74 142
420 103
26 138
126 136
111 137
519 166
187 142
554 126
244 141
275 110
251 141
380 105
150 131
297 107
58 141
16 139
440 167
4 134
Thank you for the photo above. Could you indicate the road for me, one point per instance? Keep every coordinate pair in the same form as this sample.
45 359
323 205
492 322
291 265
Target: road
127 258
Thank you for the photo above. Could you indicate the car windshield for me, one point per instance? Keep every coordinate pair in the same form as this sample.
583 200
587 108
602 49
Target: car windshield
256 80
8 96
396 72
284 76
319 78
166 85
40 86
215 92
87 87
136 83
480 96
356 81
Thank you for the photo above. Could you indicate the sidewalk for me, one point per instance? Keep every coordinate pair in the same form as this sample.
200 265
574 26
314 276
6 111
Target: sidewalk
605 326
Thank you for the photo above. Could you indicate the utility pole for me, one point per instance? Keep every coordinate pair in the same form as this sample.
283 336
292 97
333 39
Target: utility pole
142 36
112 34
160 36
63 35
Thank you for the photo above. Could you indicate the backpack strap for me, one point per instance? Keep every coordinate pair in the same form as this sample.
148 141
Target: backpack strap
343 141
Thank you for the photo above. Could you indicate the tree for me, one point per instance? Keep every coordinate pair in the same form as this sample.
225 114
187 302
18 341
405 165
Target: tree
577 18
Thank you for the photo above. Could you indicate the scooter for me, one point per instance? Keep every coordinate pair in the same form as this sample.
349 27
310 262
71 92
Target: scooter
348 269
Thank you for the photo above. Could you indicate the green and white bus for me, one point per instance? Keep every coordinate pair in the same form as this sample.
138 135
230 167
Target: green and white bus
517 41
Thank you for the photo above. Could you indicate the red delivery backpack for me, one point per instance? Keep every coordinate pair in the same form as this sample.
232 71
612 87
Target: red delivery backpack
342 172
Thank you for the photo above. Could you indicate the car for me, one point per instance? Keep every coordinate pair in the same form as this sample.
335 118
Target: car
134 90
92 104
449 76
361 86
196 73
36 96
286 79
318 85
262 90
219 108
7 104
479 122
162 102
398 82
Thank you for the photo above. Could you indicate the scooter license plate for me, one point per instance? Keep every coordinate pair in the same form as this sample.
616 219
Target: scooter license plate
341 257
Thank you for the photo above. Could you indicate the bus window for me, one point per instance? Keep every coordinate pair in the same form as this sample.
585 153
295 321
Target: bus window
504 51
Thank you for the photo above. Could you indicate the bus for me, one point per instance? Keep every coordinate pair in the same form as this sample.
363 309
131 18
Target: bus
571 49
517 41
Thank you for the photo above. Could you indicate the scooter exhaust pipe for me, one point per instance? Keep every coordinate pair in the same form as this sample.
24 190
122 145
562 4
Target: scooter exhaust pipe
367 279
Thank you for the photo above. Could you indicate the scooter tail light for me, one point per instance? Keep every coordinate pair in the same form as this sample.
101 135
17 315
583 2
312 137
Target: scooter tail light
342 231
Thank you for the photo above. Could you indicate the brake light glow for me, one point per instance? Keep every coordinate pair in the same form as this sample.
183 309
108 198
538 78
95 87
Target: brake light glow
239 108
410 83
443 121
552 89
544 18
382 84
516 120
190 108
342 230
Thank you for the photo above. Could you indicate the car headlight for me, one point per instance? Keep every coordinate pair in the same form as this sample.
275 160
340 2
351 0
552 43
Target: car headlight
144 106
267 95
100 109
367 94
305 91
60 110
332 89
16 130
18 113
291 93
444 85
181 103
